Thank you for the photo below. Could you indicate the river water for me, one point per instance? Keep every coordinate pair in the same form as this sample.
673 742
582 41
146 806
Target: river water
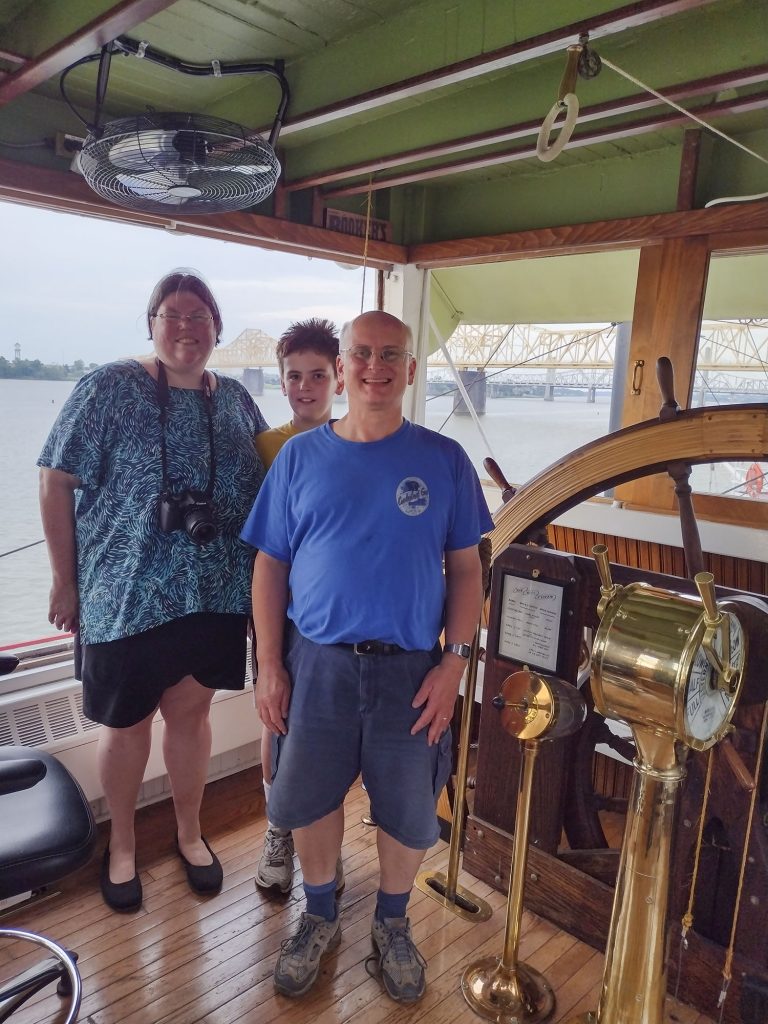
525 435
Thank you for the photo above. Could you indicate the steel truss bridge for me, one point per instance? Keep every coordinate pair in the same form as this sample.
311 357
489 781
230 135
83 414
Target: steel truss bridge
250 349
733 355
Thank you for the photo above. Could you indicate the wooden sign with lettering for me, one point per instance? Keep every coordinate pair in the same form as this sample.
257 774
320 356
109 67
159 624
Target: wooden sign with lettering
354 224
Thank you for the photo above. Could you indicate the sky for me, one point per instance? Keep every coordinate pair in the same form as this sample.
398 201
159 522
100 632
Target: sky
75 287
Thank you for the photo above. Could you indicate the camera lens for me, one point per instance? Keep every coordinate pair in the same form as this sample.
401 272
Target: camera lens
199 522
201 530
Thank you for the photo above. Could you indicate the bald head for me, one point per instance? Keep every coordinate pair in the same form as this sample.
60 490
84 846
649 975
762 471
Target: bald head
374 321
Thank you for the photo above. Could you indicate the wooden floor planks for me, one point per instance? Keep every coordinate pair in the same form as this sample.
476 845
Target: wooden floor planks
185 959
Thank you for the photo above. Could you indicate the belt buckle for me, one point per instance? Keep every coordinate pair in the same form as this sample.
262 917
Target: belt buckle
362 647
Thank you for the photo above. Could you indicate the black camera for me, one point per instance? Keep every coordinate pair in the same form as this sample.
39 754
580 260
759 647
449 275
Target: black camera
192 511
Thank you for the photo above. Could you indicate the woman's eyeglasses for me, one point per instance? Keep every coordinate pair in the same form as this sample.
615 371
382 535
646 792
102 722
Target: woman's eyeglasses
176 318
363 353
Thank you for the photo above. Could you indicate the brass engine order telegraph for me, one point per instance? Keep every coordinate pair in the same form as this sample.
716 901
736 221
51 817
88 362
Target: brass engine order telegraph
670 666
533 708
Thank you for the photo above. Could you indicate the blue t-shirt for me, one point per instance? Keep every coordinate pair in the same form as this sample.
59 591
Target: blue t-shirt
131 575
364 526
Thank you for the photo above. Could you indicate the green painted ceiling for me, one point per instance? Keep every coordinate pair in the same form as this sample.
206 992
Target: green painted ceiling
336 50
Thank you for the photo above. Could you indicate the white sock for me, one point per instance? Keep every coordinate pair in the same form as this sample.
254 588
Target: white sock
267 791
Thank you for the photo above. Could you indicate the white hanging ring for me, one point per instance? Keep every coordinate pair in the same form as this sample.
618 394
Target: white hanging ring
546 151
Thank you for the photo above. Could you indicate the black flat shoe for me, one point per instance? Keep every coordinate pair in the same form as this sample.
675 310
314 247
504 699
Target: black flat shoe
124 897
206 878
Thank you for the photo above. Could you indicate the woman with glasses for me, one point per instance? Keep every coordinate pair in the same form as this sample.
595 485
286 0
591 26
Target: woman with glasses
146 479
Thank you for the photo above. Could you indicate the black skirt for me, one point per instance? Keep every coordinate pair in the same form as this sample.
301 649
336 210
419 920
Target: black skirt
124 680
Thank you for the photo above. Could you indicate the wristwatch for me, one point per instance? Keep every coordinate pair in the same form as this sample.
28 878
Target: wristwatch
463 650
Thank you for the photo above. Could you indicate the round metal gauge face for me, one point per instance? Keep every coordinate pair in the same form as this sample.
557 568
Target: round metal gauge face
707 707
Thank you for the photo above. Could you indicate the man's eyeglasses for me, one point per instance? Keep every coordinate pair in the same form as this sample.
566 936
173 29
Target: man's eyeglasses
176 318
390 356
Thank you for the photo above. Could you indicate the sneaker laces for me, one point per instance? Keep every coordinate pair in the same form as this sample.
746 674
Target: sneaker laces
275 849
298 943
402 947
404 951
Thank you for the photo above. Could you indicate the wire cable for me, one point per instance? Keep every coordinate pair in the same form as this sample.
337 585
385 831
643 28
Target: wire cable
22 548
42 144
665 99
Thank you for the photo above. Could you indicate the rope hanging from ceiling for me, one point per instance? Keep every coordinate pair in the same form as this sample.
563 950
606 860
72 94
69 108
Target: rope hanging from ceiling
367 236
585 62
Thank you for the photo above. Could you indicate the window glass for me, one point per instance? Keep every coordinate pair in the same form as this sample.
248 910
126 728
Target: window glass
538 391
79 301
732 364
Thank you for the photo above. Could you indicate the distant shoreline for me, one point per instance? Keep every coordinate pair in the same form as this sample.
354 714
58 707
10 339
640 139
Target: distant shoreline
70 377
34 369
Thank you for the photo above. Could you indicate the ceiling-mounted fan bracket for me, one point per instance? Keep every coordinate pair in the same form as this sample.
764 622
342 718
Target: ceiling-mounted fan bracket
215 68
155 160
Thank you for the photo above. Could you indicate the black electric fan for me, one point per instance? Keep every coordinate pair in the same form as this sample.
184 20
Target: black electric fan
178 162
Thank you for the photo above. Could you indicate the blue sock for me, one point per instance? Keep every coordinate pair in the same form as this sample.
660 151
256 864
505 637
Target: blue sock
391 904
321 899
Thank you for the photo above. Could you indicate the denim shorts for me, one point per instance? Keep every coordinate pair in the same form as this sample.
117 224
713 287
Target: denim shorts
352 714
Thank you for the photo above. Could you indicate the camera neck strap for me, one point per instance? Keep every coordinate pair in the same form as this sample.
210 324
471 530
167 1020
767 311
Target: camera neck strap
163 398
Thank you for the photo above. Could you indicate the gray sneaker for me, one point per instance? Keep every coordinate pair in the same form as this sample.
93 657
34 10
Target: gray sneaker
275 868
401 965
298 965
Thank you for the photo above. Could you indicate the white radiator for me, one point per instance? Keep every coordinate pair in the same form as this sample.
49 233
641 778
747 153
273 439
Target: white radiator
50 716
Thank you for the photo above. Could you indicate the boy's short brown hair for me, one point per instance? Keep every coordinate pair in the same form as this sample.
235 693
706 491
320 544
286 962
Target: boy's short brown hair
313 335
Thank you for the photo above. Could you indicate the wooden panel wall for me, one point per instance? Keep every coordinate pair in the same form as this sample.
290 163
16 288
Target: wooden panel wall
734 573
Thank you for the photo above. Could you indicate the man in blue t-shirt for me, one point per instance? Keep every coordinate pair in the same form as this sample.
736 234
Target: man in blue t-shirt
353 524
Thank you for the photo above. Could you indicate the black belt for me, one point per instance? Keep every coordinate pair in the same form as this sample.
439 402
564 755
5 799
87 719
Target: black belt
373 647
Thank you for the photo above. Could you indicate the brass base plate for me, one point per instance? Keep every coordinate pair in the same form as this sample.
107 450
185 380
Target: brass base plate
523 996
466 905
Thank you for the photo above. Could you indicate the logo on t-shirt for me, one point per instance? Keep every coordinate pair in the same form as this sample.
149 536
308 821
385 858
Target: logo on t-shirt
412 496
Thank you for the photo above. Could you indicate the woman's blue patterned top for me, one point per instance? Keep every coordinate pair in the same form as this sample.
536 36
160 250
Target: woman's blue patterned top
131 575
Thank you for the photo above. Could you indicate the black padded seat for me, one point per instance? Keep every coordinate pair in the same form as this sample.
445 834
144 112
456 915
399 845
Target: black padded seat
46 831
47 826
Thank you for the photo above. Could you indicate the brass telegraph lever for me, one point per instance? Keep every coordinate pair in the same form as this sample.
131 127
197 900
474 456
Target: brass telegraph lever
717 633
608 589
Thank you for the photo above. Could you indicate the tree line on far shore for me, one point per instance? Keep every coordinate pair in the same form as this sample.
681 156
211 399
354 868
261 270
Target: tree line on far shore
33 369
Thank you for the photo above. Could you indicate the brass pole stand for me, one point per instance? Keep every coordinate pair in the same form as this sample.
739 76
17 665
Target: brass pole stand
440 886
505 990
679 697
635 973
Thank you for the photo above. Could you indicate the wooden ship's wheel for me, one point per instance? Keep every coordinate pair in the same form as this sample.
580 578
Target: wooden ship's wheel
736 433
572 885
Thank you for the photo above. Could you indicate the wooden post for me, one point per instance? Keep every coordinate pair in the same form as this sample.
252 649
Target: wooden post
689 166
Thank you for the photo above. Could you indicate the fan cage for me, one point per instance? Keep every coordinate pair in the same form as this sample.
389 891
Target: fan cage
184 162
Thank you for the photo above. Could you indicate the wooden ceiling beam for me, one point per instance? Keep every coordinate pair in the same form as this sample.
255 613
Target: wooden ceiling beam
610 108
729 225
613 133
622 19
67 192
11 57
119 19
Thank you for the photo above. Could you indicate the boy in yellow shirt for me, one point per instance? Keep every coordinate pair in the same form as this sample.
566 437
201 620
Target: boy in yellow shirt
306 356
